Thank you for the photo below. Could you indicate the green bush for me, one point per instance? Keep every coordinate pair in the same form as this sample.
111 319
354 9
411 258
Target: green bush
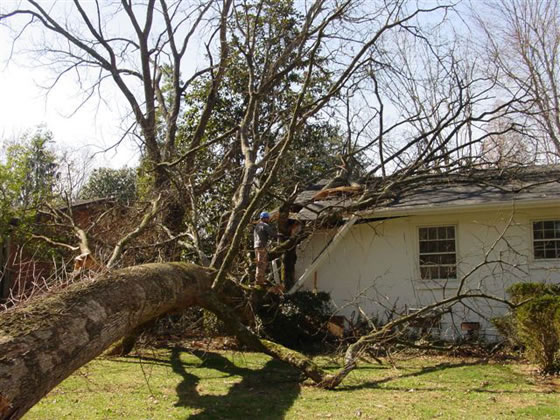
507 329
299 320
535 325
538 328
523 291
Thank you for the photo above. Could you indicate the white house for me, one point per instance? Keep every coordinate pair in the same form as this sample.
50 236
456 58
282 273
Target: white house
483 229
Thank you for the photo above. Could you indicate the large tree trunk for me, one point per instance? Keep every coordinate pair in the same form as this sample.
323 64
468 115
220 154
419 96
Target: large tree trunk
43 342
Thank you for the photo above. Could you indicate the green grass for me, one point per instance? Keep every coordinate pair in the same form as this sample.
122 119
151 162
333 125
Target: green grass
179 384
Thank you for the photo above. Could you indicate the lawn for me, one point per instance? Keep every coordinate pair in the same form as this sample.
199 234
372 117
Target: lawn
181 383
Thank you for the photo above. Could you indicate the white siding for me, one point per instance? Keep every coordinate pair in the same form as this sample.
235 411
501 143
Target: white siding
375 266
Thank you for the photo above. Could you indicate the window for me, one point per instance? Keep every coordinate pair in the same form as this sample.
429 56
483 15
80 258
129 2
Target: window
438 258
546 239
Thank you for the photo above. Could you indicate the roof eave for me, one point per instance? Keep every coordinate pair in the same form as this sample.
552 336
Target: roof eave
447 209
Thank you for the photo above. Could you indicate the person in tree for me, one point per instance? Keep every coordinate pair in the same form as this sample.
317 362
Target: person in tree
262 235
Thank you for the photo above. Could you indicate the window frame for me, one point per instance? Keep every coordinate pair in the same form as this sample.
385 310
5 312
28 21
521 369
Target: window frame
419 266
534 240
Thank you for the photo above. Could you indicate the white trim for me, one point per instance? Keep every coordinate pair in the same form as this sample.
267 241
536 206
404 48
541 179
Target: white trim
319 260
275 270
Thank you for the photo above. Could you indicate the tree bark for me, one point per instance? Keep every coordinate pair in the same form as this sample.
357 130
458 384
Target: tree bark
45 341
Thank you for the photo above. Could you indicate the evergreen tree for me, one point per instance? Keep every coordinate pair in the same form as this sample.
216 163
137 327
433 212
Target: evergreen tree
28 175
119 184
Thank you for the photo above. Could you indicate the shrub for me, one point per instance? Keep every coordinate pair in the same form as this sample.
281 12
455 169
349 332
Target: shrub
507 329
538 328
535 325
523 291
299 320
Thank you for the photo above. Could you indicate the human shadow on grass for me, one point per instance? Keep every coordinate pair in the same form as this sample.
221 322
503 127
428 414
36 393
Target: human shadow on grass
265 393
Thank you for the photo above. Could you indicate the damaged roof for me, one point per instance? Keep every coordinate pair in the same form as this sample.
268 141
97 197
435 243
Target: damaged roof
433 192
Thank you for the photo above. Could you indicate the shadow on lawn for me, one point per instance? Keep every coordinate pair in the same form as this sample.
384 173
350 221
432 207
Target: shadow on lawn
268 392
423 371
430 369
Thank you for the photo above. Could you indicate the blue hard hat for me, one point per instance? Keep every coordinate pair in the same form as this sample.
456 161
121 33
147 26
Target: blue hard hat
264 215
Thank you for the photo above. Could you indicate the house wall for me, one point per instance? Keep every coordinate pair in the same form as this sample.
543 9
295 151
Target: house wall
375 267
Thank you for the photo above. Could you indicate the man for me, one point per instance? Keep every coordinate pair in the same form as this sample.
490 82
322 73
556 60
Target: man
262 235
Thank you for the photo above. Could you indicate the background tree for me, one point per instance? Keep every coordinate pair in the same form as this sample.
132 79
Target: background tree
28 176
523 41
508 148
119 184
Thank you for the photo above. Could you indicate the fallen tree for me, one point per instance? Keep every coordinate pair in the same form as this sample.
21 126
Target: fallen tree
44 341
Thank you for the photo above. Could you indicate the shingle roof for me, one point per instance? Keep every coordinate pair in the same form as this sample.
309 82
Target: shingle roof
435 192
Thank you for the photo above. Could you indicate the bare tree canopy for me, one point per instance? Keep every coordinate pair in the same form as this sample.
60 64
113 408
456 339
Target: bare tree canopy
523 40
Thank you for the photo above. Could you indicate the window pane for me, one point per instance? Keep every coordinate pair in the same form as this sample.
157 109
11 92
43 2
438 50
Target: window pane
442 233
550 253
539 253
548 224
555 246
432 233
423 233
429 272
548 233
451 272
429 259
538 225
449 246
539 245
537 234
448 259
451 232
442 246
